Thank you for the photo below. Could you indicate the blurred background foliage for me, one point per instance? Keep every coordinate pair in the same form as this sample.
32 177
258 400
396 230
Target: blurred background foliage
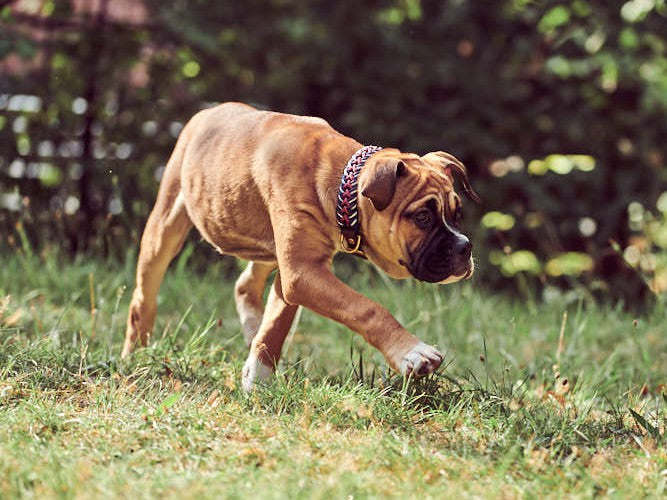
557 108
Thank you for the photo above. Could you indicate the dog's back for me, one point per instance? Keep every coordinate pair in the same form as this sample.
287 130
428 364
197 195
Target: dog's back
243 156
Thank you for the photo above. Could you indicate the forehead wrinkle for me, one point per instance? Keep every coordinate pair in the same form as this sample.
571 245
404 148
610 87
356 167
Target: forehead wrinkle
442 175
438 171
424 187
441 190
412 194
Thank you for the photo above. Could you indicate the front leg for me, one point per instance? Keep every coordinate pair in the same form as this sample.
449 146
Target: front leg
313 285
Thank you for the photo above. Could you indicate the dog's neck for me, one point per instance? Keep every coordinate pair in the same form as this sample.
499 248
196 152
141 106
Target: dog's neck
334 149
347 208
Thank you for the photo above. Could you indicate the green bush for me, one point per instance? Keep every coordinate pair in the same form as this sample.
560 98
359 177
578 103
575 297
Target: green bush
557 108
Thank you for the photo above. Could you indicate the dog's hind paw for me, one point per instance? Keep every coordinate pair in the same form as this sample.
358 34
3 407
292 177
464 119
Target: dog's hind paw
420 361
254 371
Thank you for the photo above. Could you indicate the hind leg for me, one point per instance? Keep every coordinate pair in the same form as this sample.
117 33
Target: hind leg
248 292
165 232
268 343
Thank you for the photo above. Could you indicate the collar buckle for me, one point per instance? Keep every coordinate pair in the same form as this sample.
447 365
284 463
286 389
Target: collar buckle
350 245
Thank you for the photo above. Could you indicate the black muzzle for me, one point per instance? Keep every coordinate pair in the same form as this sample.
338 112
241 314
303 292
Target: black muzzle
442 254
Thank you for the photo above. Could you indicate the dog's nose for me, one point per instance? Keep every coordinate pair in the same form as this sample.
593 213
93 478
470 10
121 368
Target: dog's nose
463 247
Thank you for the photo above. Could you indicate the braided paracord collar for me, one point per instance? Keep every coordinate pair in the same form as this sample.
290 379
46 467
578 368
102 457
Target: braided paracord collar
347 211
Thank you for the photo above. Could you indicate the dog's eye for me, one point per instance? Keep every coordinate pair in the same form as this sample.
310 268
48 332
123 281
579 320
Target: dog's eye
422 218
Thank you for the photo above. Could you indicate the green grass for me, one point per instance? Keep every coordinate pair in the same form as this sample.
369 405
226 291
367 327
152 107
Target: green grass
516 412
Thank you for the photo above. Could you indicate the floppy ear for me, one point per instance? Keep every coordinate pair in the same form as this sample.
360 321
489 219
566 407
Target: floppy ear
450 163
380 184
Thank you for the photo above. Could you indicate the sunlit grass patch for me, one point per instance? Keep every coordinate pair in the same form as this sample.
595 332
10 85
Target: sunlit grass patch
565 398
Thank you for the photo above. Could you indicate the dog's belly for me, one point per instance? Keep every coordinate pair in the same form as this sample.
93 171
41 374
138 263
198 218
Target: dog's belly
241 246
232 228
248 253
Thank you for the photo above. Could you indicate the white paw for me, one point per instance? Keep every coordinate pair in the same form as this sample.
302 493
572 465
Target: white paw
254 371
420 361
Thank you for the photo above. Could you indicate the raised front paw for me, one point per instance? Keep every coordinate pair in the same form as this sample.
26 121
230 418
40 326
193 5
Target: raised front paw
420 361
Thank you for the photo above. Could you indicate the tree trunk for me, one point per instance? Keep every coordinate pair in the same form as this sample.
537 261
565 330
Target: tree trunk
90 206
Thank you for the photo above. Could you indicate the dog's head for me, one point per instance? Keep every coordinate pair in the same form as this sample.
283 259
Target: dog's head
411 216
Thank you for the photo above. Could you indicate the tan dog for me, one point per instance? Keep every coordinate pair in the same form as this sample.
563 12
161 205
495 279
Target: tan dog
263 186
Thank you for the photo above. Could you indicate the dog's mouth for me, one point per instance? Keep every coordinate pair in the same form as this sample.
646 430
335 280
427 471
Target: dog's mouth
438 259
461 272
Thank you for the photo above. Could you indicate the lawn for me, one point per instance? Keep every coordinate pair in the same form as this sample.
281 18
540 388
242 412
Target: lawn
555 397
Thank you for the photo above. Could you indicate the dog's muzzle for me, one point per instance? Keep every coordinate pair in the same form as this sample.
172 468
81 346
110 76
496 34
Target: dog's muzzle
443 254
